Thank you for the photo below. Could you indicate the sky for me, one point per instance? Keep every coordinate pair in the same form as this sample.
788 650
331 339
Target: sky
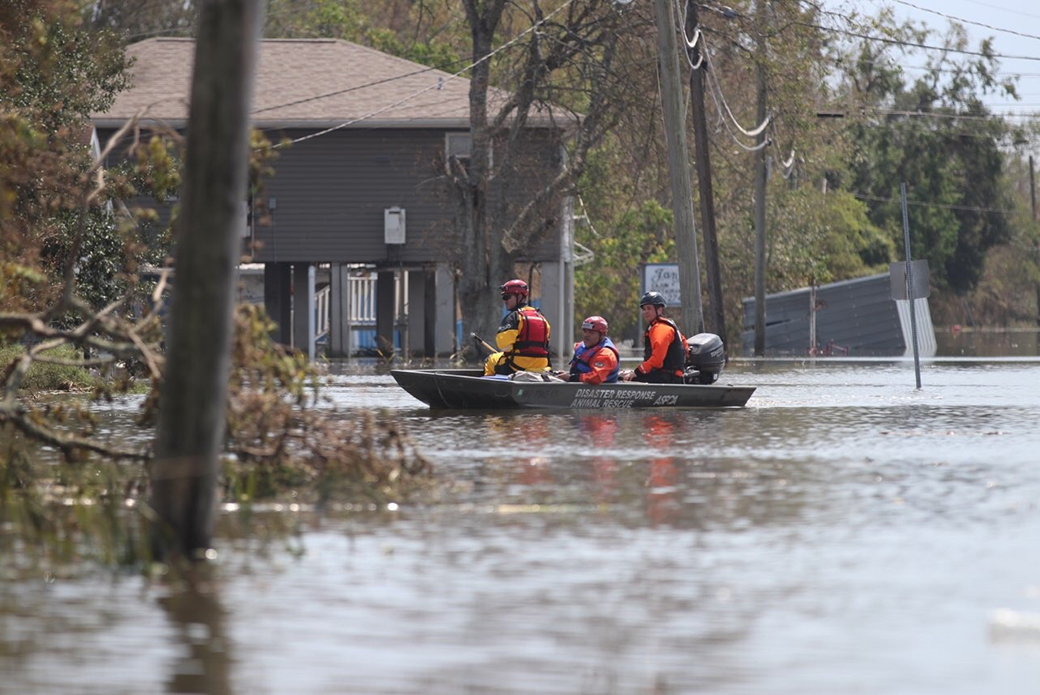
1003 18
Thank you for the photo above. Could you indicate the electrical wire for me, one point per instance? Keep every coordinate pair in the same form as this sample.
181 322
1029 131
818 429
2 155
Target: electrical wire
961 208
439 83
913 44
962 20
342 91
713 79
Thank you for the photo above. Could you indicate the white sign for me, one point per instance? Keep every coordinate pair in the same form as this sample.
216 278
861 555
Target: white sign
663 278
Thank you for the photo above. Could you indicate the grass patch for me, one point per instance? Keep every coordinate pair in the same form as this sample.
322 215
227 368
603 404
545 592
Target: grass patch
51 377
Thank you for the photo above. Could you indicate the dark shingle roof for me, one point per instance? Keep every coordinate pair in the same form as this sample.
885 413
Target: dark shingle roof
302 83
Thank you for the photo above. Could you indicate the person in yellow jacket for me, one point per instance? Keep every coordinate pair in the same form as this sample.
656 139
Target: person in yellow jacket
523 335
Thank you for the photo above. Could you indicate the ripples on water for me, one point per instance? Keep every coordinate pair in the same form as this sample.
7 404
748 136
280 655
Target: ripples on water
845 533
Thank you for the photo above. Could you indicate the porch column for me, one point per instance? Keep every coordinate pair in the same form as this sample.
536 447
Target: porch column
303 308
419 291
386 287
443 312
339 310
278 300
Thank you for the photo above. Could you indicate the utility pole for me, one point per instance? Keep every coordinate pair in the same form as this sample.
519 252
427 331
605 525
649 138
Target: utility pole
194 390
716 307
760 189
1032 196
679 169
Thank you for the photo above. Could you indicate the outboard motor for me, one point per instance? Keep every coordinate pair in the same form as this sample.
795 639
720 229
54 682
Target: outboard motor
705 358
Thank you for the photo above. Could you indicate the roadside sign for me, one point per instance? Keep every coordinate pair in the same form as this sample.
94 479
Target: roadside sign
663 278
919 271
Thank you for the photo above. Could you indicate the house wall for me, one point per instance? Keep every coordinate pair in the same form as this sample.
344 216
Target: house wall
328 195
325 205
326 200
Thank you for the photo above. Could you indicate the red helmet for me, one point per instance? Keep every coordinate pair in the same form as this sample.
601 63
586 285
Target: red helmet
595 323
517 287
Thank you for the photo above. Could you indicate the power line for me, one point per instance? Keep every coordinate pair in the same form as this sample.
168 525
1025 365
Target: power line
343 91
962 20
952 116
714 80
1003 9
439 83
961 208
913 44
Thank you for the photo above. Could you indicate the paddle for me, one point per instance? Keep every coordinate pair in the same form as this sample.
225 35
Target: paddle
482 344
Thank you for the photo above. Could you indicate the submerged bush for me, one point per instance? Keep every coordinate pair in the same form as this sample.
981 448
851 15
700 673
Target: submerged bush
85 496
47 376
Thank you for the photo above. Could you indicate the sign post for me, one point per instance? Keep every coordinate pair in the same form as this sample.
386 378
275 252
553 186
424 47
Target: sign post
910 285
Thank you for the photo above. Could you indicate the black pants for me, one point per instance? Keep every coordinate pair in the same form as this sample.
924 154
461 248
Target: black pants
660 376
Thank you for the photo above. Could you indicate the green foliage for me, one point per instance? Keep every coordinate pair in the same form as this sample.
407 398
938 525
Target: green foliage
56 73
50 377
822 238
952 162
52 75
408 32
609 284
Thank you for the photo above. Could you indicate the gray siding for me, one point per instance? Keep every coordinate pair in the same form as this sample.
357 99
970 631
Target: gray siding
330 193
858 314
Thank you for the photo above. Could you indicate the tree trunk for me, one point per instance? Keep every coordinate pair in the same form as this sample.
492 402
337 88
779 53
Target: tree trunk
194 390
481 260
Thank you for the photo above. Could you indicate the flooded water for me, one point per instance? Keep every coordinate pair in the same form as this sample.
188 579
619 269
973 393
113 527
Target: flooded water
844 533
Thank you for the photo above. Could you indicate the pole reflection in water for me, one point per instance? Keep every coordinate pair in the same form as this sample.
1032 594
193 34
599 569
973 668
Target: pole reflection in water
663 502
600 431
204 665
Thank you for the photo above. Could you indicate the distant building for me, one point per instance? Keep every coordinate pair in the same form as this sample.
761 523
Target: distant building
356 224
855 317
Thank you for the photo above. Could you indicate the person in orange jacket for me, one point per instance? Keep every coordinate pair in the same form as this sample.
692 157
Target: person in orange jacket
664 346
595 358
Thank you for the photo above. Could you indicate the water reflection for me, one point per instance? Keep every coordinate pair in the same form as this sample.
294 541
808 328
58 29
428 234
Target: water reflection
845 533
663 481
203 666
598 432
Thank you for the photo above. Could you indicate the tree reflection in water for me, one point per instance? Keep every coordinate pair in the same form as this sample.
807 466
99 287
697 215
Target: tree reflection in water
205 662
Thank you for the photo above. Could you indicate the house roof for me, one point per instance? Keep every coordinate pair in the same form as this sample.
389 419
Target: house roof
302 83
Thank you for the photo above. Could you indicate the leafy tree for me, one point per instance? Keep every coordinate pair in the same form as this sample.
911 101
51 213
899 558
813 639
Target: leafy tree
610 283
560 61
934 133
140 19
52 75
415 31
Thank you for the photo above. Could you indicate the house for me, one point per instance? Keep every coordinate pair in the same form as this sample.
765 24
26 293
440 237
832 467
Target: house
357 210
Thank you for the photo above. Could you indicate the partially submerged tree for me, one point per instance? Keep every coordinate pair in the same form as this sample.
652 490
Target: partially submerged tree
53 213
559 65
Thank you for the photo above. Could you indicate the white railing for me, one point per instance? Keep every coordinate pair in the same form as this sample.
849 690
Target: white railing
362 294
321 311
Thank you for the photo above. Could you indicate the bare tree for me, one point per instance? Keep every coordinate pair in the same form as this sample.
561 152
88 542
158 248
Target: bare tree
560 67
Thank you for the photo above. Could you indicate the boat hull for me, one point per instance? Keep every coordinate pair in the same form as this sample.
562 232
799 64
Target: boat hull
465 389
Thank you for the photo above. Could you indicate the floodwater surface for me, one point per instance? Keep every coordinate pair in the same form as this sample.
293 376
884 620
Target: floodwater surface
844 533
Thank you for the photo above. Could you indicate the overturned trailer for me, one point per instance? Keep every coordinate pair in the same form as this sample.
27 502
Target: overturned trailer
857 317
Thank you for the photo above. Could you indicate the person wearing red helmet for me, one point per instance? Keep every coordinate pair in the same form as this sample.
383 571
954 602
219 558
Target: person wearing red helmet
595 358
523 335
664 346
